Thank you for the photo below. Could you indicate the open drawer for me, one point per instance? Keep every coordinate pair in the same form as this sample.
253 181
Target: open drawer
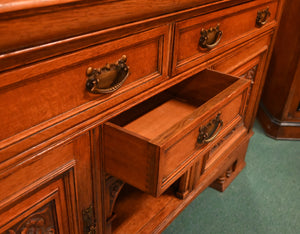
154 143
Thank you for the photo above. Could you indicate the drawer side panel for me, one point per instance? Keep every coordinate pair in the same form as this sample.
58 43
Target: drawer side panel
130 158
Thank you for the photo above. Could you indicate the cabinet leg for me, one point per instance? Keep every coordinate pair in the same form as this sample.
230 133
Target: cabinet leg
184 185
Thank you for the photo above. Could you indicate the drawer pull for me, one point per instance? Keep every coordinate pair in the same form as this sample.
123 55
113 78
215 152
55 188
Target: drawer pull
209 132
108 78
262 17
210 38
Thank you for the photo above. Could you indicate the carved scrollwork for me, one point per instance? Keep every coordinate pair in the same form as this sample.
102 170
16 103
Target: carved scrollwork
89 223
250 74
113 188
40 222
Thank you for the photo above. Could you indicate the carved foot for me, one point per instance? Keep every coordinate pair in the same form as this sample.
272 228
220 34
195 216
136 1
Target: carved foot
228 176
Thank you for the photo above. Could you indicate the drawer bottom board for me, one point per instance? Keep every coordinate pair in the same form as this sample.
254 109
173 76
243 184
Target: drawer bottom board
168 114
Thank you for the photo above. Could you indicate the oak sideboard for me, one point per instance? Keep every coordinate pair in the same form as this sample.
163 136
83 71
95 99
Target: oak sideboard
116 114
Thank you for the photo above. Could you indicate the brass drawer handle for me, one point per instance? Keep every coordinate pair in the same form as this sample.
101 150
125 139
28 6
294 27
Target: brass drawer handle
262 17
209 132
108 78
210 38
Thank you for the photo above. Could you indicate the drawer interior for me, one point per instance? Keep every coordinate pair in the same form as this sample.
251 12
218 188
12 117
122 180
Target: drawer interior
157 114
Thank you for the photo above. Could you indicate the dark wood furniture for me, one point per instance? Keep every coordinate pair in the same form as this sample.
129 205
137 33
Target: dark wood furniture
279 111
115 115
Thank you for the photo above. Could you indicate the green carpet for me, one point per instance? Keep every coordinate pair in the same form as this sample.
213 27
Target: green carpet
264 198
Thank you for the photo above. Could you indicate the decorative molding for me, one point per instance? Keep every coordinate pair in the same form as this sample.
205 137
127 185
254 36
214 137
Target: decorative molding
276 121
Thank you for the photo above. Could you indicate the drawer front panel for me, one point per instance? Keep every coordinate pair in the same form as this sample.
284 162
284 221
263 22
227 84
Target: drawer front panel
176 155
234 25
58 87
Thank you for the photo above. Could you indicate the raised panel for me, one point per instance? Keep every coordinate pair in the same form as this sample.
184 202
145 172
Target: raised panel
55 89
41 221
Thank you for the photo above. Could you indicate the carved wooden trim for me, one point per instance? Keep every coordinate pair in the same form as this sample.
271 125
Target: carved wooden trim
250 74
113 188
89 226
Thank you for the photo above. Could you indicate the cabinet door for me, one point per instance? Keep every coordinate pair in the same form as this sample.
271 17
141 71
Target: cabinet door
49 191
248 61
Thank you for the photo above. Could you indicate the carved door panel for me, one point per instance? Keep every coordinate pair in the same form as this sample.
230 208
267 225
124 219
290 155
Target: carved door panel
51 192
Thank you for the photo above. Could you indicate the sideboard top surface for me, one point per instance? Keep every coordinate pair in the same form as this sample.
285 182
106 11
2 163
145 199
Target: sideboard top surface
59 20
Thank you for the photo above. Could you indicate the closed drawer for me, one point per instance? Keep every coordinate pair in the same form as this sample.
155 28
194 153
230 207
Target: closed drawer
153 144
201 38
56 89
